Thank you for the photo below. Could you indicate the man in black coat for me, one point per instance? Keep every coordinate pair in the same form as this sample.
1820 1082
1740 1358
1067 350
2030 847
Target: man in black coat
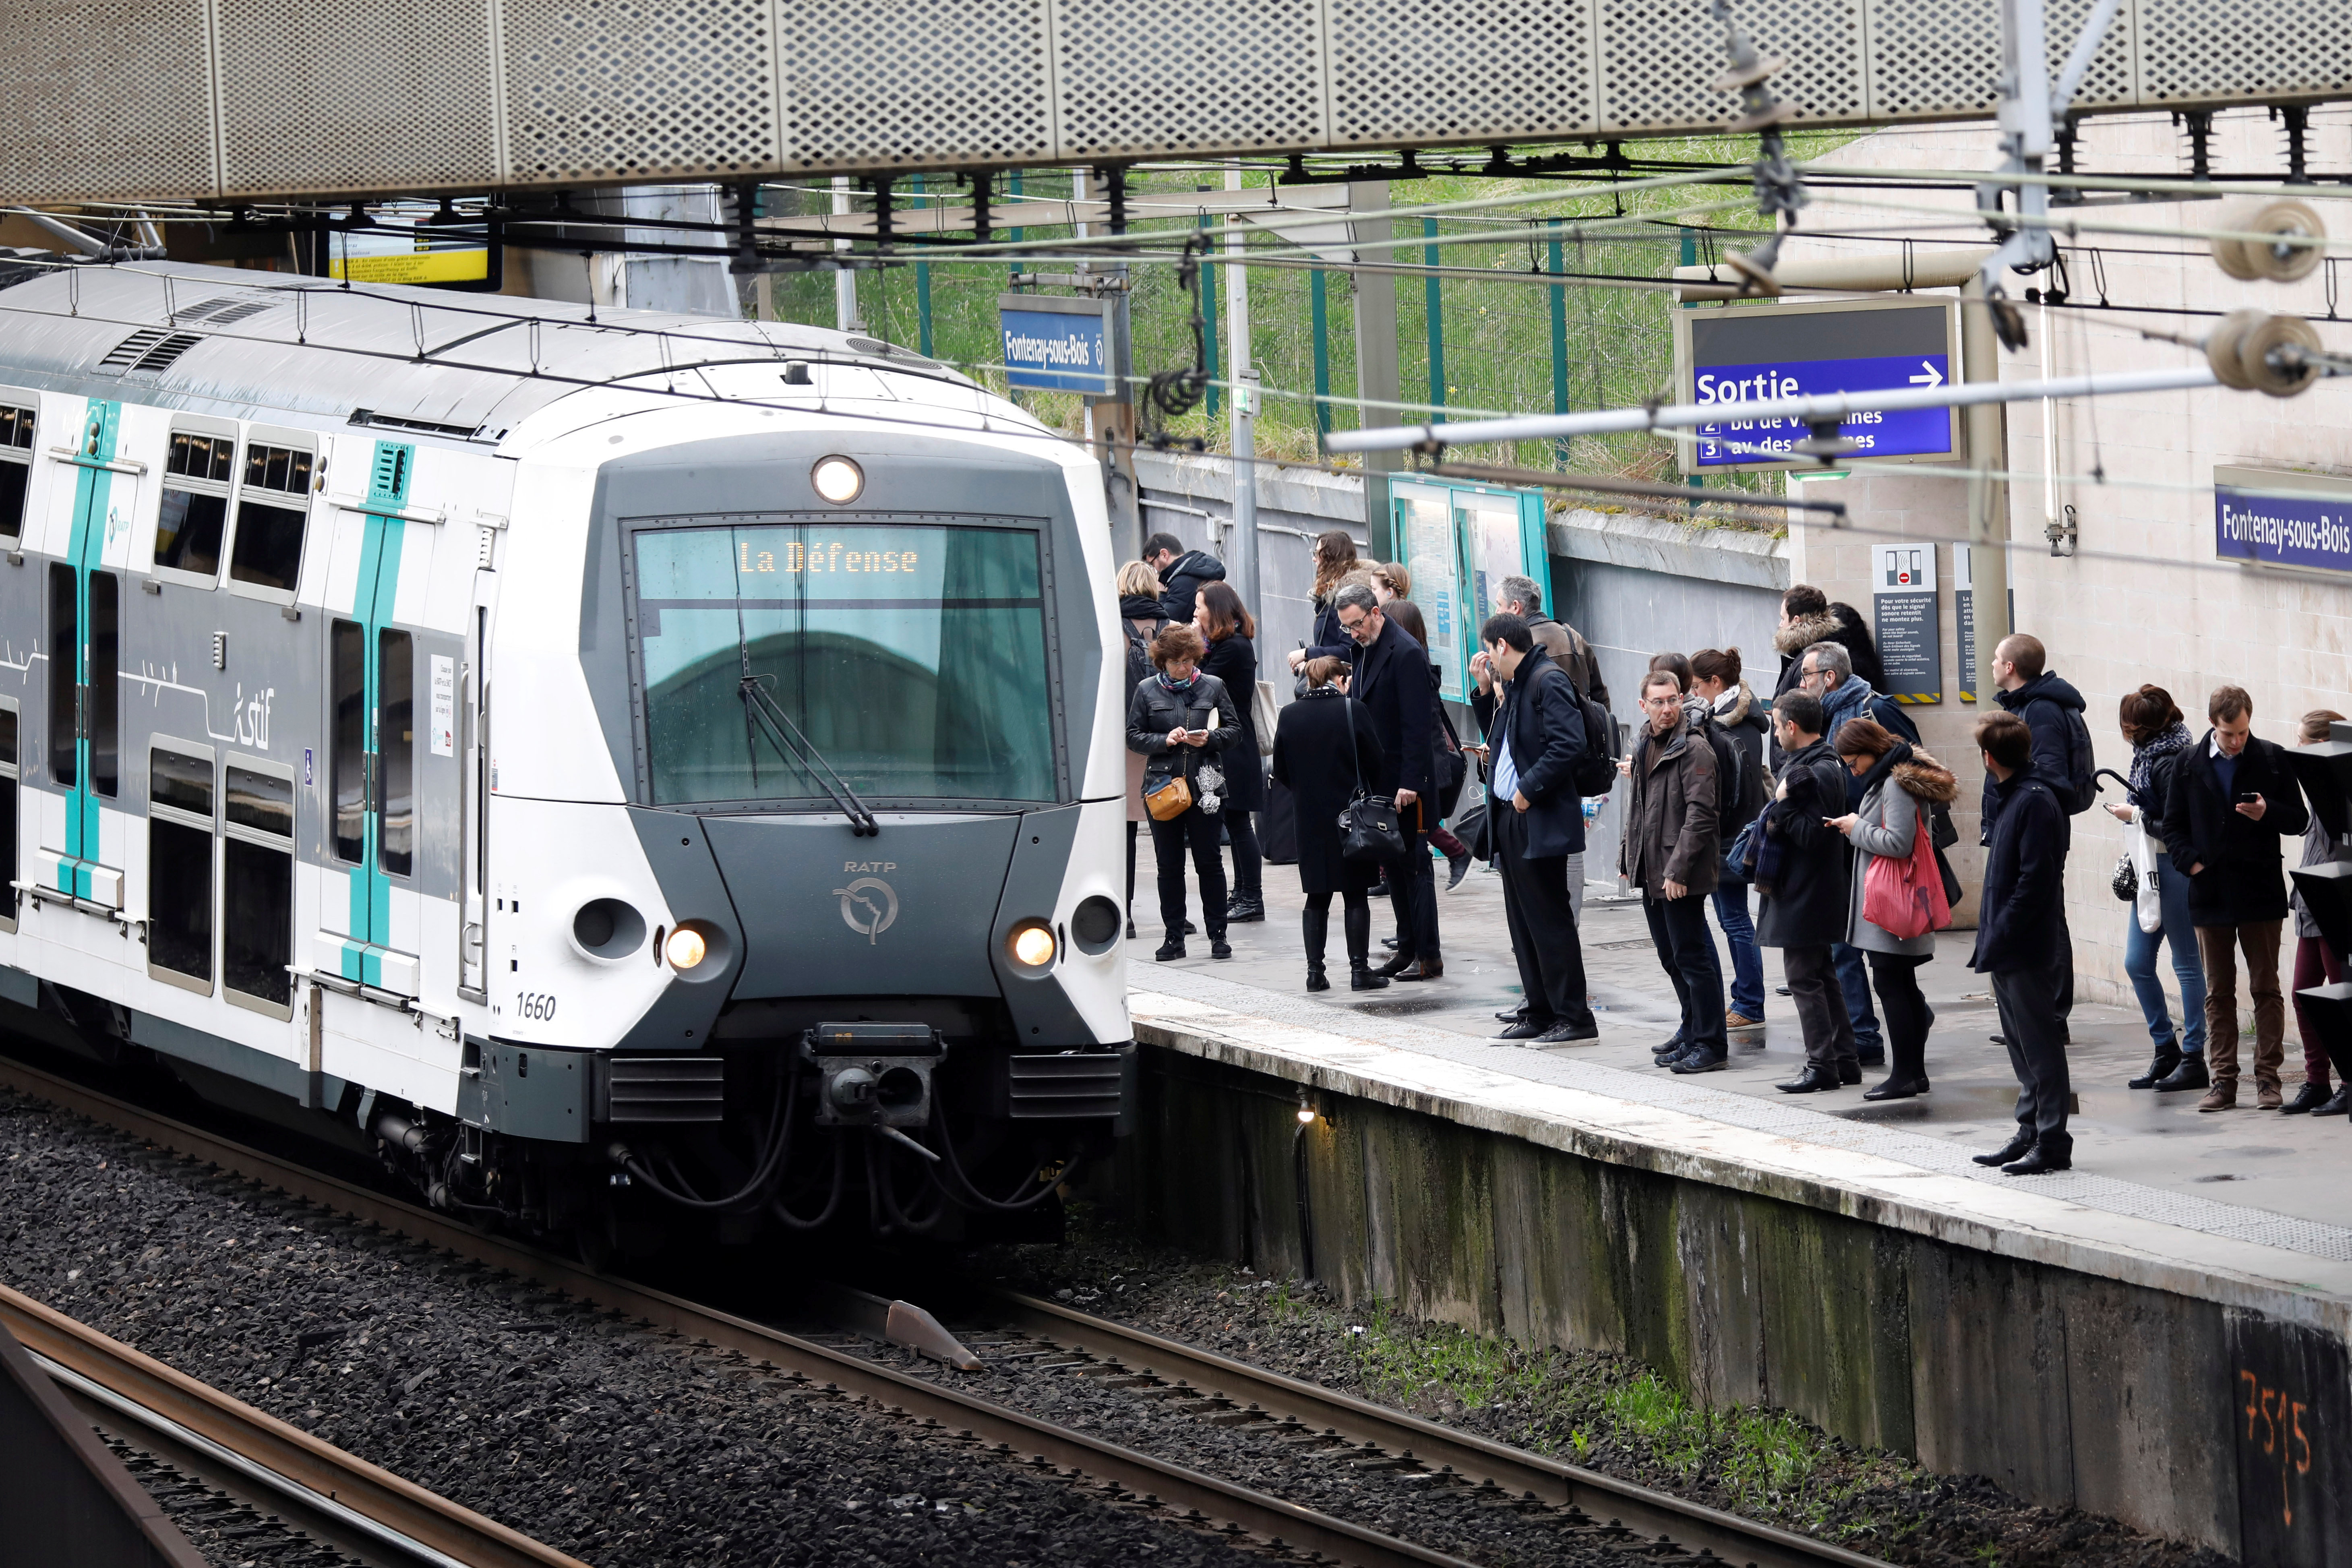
1534 732
1182 574
1807 893
2024 685
2228 804
1391 680
2018 924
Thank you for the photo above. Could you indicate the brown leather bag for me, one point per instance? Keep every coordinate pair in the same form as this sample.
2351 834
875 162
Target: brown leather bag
1171 800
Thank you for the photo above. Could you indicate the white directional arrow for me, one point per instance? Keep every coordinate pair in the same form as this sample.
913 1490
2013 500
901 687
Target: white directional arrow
1933 378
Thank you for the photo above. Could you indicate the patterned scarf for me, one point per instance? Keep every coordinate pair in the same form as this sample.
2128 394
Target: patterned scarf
1180 689
2145 756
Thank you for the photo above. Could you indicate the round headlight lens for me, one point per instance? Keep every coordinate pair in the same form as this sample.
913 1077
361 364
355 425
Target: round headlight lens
1033 945
837 479
684 949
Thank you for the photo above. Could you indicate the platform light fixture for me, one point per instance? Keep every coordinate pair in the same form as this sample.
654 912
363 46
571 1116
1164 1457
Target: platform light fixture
837 479
684 949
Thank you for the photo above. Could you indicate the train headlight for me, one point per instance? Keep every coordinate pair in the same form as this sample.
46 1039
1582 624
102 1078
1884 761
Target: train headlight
837 479
1033 946
684 949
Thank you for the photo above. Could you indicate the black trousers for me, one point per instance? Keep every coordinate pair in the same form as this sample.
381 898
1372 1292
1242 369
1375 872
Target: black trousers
1820 1007
2030 1022
1686 949
1543 926
1249 866
1197 830
1412 892
1896 977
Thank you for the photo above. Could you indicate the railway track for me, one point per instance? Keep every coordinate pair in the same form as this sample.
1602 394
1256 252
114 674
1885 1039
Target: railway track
1653 1527
336 1496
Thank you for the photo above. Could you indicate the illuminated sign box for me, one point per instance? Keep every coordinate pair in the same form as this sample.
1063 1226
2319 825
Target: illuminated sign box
2270 517
1055 345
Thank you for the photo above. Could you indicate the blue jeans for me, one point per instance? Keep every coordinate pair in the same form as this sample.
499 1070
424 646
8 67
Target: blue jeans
1853 979
1747 958
2139 963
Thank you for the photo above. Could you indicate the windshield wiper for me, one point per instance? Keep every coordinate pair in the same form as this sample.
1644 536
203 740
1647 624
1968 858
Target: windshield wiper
763 714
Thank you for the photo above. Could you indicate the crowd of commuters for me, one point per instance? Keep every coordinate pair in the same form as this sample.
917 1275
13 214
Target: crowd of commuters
1822 802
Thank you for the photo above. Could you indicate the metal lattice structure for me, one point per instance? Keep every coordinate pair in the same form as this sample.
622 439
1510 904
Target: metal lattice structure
237 99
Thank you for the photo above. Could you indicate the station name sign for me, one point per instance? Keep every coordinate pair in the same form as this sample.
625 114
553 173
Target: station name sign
2272 517
1057 344
1749 354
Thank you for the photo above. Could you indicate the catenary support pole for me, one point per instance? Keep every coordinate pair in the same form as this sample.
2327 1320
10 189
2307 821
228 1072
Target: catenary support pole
1559 292
1377 383
844 281
1987 450
1243 568
1437 311
1320 322
1209 344
922 287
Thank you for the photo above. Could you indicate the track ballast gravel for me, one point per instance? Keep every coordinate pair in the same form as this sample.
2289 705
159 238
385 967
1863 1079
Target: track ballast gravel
618 1445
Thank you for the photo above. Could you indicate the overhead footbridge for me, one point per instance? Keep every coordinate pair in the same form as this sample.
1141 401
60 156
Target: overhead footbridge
261 99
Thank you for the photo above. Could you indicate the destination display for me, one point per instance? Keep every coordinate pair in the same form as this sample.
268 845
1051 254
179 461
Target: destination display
1766 352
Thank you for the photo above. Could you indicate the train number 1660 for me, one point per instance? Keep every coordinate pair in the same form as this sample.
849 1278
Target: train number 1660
537 1005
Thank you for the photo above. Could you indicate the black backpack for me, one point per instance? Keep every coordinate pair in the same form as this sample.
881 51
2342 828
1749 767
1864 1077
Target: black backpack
1139 652
2079 789
1738 786
1594 771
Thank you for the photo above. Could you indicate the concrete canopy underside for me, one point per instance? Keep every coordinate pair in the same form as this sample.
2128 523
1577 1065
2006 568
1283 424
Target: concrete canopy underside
255 99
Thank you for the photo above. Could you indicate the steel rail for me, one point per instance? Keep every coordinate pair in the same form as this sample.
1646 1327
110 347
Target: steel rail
1658 1515
1168 1487
260 1448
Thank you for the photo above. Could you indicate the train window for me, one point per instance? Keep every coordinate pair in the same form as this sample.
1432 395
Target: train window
65 672
105 682
911 656
8 775
16 467
180 866
347 656
257 885
272 512
191 519
396 748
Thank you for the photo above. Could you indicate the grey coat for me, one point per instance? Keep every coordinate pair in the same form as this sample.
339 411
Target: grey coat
1885 822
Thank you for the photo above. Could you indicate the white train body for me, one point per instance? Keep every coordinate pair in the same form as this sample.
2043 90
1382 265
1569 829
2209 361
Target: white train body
374 664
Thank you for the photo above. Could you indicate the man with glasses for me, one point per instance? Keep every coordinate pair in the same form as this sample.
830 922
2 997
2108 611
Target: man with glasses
1392 682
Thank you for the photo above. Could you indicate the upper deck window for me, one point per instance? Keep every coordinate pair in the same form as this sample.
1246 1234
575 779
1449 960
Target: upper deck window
16 467
193 517
272 512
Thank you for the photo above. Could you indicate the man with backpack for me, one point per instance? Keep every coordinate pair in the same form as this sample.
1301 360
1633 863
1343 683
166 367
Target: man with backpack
1673 850
1542 758
2062 758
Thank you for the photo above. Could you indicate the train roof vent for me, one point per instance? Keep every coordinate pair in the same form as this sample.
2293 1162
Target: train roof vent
890 351
224 312
403 421
149 349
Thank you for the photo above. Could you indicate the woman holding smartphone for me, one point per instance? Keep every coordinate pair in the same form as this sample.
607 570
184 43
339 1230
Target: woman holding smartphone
1231 658
1183 722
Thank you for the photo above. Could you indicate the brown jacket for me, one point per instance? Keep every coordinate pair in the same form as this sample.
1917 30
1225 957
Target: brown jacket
1571 653
1671 832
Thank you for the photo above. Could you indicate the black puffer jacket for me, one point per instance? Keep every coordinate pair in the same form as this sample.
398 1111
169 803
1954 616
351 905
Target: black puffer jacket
1182 581
1806 904
1153 710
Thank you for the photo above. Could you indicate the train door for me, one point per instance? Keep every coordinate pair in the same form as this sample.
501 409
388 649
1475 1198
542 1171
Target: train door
372 725
85 627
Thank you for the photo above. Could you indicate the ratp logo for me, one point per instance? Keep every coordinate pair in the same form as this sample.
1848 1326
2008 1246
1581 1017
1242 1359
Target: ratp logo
869 907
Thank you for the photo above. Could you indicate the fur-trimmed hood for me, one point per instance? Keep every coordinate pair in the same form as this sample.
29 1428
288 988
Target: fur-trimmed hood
1926 780
1801 633
1743 705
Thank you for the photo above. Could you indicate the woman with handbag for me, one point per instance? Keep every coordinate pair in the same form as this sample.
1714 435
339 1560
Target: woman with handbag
1226 624
2152 723
1324 749
1139 611
1898 900
1183 722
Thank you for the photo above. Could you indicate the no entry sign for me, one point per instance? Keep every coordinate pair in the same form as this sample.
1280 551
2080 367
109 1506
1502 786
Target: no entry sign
1749 353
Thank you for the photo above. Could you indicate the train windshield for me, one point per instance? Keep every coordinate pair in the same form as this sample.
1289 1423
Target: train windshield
912 657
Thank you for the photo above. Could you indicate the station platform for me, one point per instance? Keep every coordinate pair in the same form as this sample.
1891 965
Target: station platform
2147 1317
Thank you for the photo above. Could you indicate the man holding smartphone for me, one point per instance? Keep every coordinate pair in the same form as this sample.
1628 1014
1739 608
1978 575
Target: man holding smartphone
2231 802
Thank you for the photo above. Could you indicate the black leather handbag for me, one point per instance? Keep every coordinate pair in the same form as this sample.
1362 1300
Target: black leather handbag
1369 829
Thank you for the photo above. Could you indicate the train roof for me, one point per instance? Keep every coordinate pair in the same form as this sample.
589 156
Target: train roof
423 360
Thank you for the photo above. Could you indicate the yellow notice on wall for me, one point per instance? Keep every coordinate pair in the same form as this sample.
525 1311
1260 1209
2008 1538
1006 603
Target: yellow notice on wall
414 267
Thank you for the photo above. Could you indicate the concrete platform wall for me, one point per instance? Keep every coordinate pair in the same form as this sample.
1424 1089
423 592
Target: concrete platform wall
2218 1425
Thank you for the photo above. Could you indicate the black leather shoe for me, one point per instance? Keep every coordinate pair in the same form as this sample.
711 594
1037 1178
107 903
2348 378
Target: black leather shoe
1461 867
1389 943
2336 1102
2000 1040
1220 948
1701 1061
1432 968
1315 981
1242 911
2309 1098
1513 1016
1812 1081
1130 931
1570 1034
1780 990
2191 1074
2020 1144
1524 1031
1896 1088
1190 929
1361 977
1397 964
1849 1074
1172 947
2039 1162
2159 1066
1670 1047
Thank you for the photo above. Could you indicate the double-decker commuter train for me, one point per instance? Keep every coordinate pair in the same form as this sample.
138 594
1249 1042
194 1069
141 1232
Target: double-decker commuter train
614 767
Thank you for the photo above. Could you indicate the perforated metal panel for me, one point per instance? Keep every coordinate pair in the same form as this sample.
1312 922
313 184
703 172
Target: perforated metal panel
1659 61
616 90
904 82
103 98
2110 84
1940 63
2195 50
1459 70
1222 74
343 95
